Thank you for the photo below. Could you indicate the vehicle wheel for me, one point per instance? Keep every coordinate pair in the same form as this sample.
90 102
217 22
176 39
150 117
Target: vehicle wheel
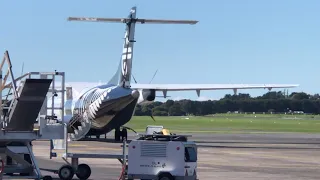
124 134
83 172
47 178
165 176
66 172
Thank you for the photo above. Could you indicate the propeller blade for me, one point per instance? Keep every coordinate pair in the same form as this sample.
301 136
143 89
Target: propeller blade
134 79
22 68
153 76
153 118
130 129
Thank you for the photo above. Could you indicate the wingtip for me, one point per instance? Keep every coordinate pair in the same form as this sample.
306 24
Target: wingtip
195 22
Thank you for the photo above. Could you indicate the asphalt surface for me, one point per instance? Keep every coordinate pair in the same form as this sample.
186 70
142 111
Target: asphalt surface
221 156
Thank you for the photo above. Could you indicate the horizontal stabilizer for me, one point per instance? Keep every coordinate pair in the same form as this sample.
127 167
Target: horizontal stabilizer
161 21
125 20
92 19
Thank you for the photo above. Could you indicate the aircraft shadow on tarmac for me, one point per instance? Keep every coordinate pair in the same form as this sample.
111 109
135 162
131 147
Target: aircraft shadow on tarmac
255 142
103 140
213 144
255 147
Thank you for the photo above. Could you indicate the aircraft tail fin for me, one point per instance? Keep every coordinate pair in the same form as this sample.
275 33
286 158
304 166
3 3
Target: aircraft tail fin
123 74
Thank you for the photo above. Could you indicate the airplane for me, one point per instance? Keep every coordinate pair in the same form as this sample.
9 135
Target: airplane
103 108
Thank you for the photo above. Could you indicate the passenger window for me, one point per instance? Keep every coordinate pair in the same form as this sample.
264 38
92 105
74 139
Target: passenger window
190 154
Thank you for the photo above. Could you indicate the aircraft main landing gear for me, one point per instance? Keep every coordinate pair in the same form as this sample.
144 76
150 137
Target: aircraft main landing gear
118 134
124 133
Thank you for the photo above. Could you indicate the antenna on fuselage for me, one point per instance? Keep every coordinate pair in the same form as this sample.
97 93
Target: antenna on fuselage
130 21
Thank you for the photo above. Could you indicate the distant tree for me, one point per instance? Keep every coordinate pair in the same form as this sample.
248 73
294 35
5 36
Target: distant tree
299 95
176 110
273 95
146 111
269 102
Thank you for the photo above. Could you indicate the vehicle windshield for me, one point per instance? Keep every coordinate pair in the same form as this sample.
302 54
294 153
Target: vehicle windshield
190 154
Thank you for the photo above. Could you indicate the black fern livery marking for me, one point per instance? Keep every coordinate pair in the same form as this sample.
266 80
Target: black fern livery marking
90 102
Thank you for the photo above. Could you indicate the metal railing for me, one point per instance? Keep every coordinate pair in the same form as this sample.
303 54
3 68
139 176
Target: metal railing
13 91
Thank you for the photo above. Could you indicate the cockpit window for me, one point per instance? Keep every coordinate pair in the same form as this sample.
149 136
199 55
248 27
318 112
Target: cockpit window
190 154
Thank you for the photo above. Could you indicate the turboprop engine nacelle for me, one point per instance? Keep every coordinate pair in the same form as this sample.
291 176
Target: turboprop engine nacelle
147 96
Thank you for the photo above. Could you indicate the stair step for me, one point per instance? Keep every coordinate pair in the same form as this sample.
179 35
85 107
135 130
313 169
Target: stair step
24 112
80 126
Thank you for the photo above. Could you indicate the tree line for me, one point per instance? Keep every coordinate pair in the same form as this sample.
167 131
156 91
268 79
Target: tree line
275 102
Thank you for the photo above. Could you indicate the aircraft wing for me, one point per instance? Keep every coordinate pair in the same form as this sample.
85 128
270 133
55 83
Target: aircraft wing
198 87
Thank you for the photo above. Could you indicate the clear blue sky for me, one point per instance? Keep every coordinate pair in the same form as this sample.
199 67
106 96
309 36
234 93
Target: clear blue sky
235 41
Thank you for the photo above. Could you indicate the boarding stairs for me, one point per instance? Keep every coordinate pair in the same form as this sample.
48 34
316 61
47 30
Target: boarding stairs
79 126
23 107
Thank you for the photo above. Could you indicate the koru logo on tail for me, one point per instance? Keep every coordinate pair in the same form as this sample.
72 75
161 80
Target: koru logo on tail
124 68
125 58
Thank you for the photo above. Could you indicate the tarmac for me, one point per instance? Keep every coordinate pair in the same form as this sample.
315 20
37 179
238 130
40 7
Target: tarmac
255 156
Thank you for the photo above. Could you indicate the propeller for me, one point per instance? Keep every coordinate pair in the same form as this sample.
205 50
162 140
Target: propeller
149 83
150 80
131 129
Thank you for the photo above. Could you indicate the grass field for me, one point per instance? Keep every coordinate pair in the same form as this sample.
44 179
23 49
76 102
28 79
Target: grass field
231 123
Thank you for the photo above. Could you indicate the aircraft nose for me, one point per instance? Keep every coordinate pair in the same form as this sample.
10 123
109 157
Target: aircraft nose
135 93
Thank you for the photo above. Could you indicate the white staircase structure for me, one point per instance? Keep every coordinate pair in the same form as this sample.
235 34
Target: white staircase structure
80 125
24 117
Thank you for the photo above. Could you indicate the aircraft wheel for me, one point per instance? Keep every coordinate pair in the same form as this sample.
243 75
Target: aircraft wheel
66 172
83 172
117 135
47 178
124 133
